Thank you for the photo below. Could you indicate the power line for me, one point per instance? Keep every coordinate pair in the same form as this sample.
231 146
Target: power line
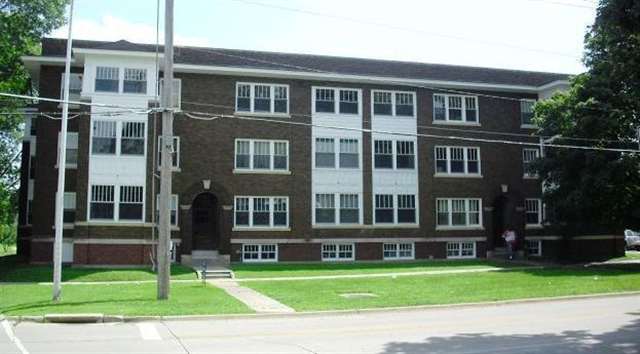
55 100
405 29
416 135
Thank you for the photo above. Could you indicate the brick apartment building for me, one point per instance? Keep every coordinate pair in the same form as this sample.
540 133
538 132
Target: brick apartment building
329 159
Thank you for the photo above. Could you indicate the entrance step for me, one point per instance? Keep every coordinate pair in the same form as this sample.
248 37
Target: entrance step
216 274
198 254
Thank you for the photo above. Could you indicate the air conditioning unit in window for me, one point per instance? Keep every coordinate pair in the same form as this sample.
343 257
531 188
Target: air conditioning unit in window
177 93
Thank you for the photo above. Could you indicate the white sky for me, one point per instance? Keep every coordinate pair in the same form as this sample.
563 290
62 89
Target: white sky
539 35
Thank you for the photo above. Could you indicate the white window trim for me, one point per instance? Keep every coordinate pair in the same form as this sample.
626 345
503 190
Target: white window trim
118 138
260 259
537 254
539 212
460 256
336 203
526 175
466 161
251 169
120 91
522 125
394 155
397 246
173 196
271 226
336 153
146 81
467 226
393 104
336 96
116 202
464 110
159 148
272 93
395 211
337 257
68 165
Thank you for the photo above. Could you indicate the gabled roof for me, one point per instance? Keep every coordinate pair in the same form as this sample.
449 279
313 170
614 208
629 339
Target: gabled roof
320 63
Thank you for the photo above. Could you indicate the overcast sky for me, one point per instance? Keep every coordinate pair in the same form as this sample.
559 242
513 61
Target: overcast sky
539 35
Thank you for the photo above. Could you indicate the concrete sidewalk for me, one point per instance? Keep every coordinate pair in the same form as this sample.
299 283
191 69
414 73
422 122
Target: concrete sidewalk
255 300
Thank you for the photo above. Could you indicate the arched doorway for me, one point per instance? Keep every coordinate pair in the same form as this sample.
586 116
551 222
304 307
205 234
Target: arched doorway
205 222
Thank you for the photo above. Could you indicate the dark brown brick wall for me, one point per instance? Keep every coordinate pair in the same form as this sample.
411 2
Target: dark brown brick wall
111 254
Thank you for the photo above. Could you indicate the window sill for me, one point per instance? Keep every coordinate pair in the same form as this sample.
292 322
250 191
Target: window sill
337 226
530 177
459 228
393 170
261 229
338 114
259 260
69 166
260 172
456 175
262 114
106 222
398 259
383 116
533 226
461 257
449 122
395 226
173 169
338 259
66 226
528 126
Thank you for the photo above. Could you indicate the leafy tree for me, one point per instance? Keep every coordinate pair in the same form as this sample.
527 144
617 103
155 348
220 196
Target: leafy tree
22 24
597 191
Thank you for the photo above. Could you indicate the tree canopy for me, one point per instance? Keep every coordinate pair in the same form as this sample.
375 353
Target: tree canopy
597 191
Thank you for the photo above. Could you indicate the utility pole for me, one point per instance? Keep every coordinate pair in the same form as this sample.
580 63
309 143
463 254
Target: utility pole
62 157
166 102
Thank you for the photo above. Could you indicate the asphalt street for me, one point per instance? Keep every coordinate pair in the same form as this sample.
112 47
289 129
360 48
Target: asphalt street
596 325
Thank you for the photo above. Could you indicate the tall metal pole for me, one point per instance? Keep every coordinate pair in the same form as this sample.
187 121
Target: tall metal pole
62 157
164 224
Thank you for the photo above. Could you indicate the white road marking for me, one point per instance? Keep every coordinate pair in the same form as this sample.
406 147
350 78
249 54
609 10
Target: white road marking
148 331
7 328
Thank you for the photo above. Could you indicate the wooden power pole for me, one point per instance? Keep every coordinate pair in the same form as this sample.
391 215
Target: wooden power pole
166 103
62 157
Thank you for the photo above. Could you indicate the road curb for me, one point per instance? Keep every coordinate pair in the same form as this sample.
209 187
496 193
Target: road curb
99 318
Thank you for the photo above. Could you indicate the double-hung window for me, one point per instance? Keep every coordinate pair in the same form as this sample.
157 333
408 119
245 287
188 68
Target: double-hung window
533 212
335 208
384 209
135 81
261 212
261 155
454 160
325 209
69 212
259 253
349 209
131 203
262 98
336 100
458 213
338 252
461 249
405 155
325 153
526 112
533 247
173 209
104 137
406 209
528 157
395 209
107 79
175 152
132 138
397 251
71 151
349 156
102 202
391 103
455 108
383 153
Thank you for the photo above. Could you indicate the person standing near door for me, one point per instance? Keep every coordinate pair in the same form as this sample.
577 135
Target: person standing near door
509 237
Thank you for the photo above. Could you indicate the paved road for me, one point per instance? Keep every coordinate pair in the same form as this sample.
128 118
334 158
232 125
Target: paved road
603 325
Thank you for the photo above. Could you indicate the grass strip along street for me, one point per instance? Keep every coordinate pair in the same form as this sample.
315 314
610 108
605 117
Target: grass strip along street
343 294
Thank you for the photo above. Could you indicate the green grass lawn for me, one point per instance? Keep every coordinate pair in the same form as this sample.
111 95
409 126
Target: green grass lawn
244 270
7 250
309 295
629 256
10 271
118 299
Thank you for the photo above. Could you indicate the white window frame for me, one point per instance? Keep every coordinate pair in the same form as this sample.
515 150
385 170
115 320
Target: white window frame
146 80
396 203
173 197
72 144
337 257
393 104
336 101
176 145
336 152
260 251
74 91
394 154
337 203
538 205
525 155
466 172
538 247
464 110
272 155
396 249
141 203
252 95
467 225
459 250
118 79
116 202
271 225
118 138
67 197
523 105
